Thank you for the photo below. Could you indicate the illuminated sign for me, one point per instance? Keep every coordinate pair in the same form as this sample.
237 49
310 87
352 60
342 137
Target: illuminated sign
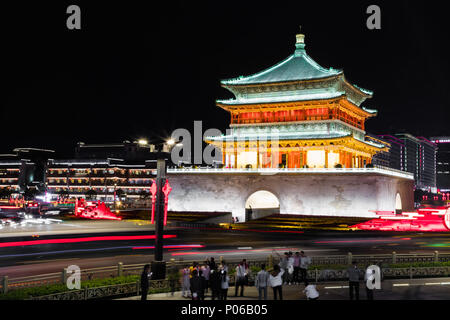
425 219
93 210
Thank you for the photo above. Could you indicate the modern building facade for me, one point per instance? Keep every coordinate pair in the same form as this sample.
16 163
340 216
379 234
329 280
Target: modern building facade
412 154
442 163
95 175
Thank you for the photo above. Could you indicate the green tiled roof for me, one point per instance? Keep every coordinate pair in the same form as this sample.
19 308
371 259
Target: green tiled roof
298 66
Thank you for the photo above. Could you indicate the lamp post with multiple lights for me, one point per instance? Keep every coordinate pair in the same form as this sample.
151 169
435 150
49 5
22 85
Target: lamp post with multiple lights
158 266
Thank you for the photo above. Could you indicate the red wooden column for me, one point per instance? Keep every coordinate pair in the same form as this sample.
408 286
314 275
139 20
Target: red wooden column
235 155
223 154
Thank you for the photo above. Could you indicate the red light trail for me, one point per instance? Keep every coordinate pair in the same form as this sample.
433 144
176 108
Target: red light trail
353 241
173 247
77 240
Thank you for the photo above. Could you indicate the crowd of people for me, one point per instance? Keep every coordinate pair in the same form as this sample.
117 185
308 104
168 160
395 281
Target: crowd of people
196 280
199 279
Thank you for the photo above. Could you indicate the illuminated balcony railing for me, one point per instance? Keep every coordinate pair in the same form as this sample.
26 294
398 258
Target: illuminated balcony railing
272 171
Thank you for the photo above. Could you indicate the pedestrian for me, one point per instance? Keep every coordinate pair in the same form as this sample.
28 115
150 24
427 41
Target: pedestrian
145 277
311 292
212 264
173 276
353 281
276 281
296 268
240 279
290 268
201 292
185 282
283 263
224 284
223 266
196 285
194 267
261 282
206 270
215 284
305 261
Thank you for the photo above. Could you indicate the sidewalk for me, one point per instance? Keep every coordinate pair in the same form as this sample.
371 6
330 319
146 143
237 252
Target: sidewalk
399 289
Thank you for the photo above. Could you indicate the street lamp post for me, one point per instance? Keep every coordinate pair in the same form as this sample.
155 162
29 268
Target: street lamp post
158 266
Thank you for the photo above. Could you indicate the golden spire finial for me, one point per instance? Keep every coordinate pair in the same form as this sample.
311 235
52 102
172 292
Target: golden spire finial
300 36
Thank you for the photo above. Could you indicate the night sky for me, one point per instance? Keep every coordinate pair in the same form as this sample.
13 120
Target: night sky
136 70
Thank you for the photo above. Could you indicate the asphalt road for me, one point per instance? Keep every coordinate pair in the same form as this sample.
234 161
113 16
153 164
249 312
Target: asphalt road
54 251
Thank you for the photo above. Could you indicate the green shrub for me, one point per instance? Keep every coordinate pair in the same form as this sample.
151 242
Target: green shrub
25 293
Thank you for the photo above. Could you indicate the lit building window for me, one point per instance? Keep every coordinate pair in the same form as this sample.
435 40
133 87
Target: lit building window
316 158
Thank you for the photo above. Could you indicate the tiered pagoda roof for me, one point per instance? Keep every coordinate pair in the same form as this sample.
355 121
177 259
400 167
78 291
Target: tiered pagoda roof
296 78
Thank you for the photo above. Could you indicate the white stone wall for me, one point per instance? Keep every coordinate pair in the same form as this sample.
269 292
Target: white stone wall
310 194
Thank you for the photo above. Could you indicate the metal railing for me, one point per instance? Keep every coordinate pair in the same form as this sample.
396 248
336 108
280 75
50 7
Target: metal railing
120 269
268 171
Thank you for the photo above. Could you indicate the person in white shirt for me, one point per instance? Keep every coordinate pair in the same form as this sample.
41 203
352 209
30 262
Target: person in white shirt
296 267
311 292
276 281
241 276
261 282
290 269
185 283
304 264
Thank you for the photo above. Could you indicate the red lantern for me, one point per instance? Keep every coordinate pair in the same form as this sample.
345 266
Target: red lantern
166 190
153 190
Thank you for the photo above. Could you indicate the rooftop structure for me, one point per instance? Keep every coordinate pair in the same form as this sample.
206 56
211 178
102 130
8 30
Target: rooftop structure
296 114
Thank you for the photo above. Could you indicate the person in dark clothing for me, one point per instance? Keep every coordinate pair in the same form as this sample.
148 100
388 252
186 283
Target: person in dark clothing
145 276
212 264
224 284
353 280
196 285
215 284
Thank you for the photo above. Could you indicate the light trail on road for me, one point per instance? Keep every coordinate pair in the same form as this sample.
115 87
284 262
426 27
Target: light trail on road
77 240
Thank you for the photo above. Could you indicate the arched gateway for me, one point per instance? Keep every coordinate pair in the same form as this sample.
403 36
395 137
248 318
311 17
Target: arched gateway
261 203
339 192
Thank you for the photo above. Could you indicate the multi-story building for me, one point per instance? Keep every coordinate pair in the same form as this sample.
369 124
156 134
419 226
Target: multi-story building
413 154
96 176
100 178
442 163
395 153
